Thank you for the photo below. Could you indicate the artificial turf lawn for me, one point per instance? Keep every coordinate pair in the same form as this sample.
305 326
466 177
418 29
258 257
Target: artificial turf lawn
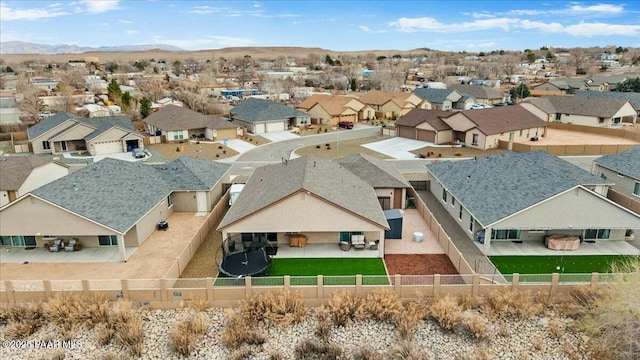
313 267
574 264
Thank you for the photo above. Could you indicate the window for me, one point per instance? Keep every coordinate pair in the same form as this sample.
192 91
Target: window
617 120
460 213
346 235
474 139
471 224
636 189
63 145
107 240
12 240
509 234
453 201
521 132
601 120
385 203
46 145
558 117
596 233
169 200
178 135
444 195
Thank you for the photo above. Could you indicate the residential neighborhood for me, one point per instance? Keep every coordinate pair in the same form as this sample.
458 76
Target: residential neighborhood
211 179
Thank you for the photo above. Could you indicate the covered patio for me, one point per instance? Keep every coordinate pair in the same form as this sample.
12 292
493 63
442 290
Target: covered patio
596 247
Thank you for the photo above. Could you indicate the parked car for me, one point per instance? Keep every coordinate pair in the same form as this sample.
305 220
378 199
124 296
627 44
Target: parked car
138 153
504 103
479 106
345 124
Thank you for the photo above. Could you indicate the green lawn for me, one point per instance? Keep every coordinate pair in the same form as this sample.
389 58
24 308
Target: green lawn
573 264
304 272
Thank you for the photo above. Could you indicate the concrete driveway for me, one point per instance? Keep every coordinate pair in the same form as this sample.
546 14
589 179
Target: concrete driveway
240 145
279 136
397 147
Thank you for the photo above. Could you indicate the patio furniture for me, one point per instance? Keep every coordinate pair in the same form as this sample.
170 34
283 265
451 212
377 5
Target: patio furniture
562 242
373 245
418 236
71 245
358 242
56 246
345 246
298 240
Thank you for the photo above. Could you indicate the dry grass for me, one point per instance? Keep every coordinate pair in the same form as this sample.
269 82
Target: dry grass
512 303
323 326
24 320
446 311
468 301
275 355
381 305
244 353
239 332
312 350
72 310
556 328
130 335
344 307
199 304
202 265
57 354
538 344
281 308
185 334
406 350
366 353
477 326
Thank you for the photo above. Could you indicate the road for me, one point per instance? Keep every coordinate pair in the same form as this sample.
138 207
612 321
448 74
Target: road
277 151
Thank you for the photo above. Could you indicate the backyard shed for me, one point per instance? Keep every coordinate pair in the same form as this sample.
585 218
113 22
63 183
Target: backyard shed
394 218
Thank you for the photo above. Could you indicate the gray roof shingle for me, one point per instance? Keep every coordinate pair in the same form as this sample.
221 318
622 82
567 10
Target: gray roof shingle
433 95
48 124
259 110
14 170
117 193
494 187
172 118
416 117
376 172
323 178
626 162
477 91
579 105
633 97
101 124
187 173
503 119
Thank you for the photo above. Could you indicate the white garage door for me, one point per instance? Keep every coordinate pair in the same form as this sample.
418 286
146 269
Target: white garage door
258 128
275 126
109 147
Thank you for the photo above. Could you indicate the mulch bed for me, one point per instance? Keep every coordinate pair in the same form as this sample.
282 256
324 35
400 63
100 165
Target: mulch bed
419 264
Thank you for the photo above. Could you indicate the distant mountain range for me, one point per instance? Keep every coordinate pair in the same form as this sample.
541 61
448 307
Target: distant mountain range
21 47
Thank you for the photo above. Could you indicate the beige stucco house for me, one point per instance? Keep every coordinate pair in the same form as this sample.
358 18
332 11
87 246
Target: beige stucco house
22 174
390 105
64 132
623 170
600 112
331 109
112 203
181 124
314 197
501 198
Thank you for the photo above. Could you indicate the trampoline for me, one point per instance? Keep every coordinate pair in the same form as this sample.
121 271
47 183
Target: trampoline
251 260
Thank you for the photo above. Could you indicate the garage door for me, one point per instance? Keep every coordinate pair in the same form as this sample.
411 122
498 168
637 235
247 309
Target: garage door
426 135
275 126
259 128
109 147
406 132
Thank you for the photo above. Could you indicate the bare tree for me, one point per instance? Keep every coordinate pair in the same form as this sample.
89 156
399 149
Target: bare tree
65 100
508 64
29 102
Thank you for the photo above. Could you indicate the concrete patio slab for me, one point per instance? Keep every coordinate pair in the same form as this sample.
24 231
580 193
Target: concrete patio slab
412 222
240 145
398 148
600 247
279 136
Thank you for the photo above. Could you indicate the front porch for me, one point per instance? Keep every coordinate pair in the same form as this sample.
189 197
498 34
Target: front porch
103 254
322 251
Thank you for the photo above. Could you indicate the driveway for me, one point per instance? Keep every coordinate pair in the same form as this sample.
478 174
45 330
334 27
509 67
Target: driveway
279 136
240 146
397 147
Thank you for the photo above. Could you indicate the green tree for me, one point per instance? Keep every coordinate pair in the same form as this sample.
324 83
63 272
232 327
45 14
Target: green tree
353 85
520 92
531 57
112 67
145 107
177 66
8 69
620 50
549 55
329 60
113 90
126 100
629 85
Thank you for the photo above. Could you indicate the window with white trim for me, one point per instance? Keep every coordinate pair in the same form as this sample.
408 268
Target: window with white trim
594 234
636 189
444 195
46 145
474 139
107 240
508 234
169 201
460 213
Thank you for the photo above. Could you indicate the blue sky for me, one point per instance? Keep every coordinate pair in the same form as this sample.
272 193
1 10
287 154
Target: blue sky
334 25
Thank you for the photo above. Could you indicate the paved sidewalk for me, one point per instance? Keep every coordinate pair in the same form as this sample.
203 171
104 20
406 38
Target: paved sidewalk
240 146
279 136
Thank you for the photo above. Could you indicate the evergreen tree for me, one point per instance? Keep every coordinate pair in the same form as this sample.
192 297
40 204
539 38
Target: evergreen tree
520 92
145 107
125 100
629 85
113 90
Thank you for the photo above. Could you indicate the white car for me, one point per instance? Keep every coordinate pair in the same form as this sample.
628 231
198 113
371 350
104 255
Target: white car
479 106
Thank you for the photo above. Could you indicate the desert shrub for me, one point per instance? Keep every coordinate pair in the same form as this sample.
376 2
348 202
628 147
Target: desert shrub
323 326
130 335
326 129
104 333
538 343
244 353
312 350
275 355
344 307
556 328
406 350
317 146
24 320
185 334
279 307
613 320
513 303
112 356
477 326
57 354
467 302
366 353
380 304
238 332
446 311
73 310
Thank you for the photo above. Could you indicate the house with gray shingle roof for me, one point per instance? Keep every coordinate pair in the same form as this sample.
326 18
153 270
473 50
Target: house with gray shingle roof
177 123
579 110
437 99
383 176
481 94
262 116
65 132
22 174
633 97
623 170
425 125
310 196
526 197
114 202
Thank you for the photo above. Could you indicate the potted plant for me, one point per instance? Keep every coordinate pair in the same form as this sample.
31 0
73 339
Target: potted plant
628 235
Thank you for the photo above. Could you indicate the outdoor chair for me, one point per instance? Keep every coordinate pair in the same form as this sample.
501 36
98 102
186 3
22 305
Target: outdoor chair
56 246
71 245
358 242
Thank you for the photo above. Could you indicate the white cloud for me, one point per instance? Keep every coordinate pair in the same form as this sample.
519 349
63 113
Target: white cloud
602 29
600 8
100 6
203 10
125 21
364 28
417 24
132 32
431 24
9 14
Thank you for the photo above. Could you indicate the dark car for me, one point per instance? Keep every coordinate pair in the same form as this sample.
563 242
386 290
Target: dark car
345 124
138 153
